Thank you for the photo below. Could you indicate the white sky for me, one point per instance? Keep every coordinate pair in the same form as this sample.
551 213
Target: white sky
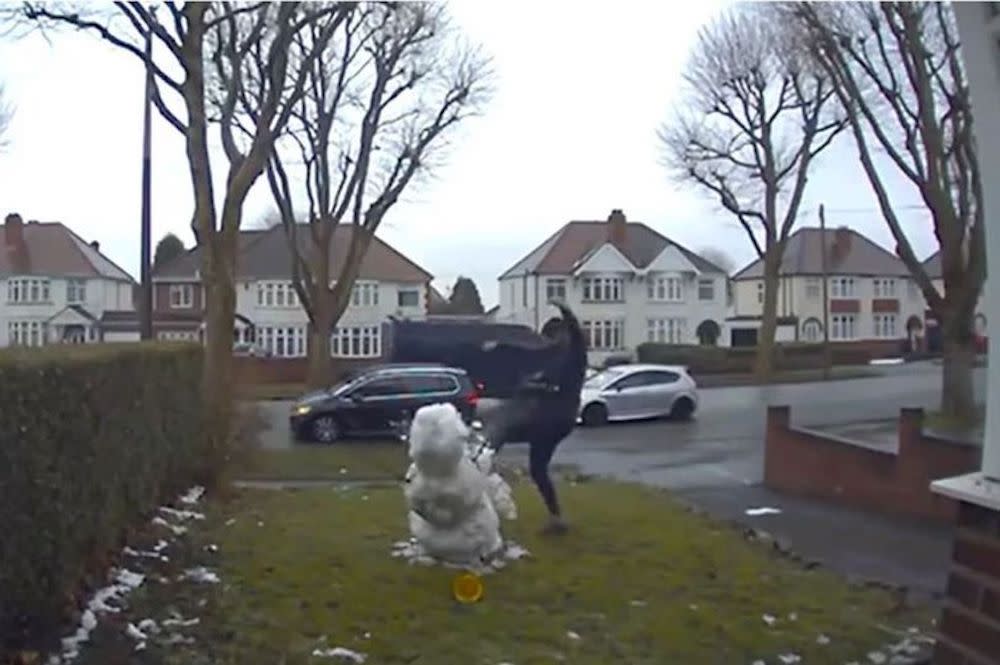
570 134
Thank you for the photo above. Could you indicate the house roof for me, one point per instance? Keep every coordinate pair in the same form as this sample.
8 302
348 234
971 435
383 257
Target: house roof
265 255
564 249
848 253
52 249
932 264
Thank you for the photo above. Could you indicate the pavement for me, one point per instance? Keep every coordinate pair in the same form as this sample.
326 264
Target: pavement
715 463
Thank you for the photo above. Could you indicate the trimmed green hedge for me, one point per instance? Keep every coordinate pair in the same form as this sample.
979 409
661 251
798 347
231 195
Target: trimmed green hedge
92 438
740 360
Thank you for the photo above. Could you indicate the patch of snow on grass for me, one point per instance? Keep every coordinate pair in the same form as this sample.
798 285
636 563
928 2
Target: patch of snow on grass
200 574
193 495
768 619
790 658
412 552
176 620
763 510
182 515
877 657
177 529
822 639
573 635
133 631
340 652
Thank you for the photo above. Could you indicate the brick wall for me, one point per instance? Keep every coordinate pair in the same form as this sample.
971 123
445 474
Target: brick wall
814 464
969 631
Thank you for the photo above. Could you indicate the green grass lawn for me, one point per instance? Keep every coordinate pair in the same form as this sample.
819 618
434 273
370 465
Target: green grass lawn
637 580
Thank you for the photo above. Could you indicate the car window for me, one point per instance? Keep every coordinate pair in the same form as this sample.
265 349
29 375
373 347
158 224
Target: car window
663 377
633 381
422 384
603 378
383 387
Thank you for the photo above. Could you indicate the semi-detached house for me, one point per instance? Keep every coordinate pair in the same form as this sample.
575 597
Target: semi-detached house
56 287
872 300
268 311
627 283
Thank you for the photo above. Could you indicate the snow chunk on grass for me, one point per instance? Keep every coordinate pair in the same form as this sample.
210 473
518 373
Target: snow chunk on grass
201 574
341 653
177 529
764 510
193 495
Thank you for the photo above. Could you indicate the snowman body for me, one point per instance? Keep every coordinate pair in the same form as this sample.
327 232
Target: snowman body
450 495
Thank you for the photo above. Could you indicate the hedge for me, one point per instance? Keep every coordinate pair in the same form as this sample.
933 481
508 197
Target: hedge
739 360
92 438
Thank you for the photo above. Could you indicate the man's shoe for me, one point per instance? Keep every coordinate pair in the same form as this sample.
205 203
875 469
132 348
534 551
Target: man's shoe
556 526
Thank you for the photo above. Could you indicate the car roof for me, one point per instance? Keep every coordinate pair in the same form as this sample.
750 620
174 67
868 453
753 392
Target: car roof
405 368
647 367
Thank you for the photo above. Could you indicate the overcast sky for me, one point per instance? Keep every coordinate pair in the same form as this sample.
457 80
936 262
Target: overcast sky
570 134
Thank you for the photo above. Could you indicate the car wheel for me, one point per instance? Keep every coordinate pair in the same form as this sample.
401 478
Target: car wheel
325 429
682 409
595 414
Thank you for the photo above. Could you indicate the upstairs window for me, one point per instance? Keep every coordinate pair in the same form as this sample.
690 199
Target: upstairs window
603 289
181 296
666 289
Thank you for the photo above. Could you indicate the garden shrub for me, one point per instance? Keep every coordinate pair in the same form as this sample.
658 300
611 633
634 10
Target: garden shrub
740 360
92 438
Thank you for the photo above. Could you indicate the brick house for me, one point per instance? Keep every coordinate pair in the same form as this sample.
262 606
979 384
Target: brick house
627 283
268 312
56 287
872 301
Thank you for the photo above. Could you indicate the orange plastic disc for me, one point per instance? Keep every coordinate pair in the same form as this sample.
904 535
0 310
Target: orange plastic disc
467 588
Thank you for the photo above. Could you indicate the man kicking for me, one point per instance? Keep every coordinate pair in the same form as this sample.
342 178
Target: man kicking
545 407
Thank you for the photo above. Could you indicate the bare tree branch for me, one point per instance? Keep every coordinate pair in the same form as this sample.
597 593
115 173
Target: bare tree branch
6 115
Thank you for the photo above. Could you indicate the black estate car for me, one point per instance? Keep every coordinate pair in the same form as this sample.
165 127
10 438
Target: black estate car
380 400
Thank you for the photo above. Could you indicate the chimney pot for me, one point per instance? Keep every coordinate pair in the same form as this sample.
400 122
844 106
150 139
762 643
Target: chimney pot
96 245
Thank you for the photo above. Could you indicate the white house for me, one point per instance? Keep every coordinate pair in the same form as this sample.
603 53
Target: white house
267 307
627 283
871 299
55 287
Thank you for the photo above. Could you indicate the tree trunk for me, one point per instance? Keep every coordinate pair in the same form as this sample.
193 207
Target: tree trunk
763 367
319 371
217 379
958 399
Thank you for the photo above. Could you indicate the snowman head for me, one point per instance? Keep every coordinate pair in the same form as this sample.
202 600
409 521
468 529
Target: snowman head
438 439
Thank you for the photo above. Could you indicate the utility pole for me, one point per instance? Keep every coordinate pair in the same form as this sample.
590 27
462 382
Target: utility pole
827 356
146 311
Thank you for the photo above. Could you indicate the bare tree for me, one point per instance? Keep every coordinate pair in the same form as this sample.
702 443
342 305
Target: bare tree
6 115
202 49
755 115
375 114
897 71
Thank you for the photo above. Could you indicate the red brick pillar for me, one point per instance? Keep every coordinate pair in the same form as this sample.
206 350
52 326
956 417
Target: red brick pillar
778 419
970 624
911 429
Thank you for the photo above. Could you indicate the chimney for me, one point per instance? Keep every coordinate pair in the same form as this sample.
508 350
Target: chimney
96 245
841 244
13 230
616 227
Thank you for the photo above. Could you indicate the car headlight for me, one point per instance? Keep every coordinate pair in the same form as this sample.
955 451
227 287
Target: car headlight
302 409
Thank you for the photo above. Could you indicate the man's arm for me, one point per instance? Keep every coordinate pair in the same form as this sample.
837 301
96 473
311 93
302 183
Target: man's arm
577 345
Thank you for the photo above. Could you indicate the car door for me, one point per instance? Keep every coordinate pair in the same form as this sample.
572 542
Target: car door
431 388
659 392
376 403
624 397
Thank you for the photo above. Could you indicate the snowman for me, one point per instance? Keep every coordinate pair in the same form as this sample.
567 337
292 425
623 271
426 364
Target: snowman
454 496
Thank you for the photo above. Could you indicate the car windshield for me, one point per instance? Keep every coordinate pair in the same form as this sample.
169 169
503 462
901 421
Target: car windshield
603 378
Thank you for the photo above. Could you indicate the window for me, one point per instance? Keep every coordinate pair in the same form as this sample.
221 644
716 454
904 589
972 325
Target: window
814 288
364 294
356 342
603 289
181 296
283 341
885 288
408 298
885 325
555 289
637 380
606 335
665 289
842 287
666 331
812 331
27 291
26 333
663 378
760 293
177 336
842 326
430 384
383 387
277 294
706 289
76 291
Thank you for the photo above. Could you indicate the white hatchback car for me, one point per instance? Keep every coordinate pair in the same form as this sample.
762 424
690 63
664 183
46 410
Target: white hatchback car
631 392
